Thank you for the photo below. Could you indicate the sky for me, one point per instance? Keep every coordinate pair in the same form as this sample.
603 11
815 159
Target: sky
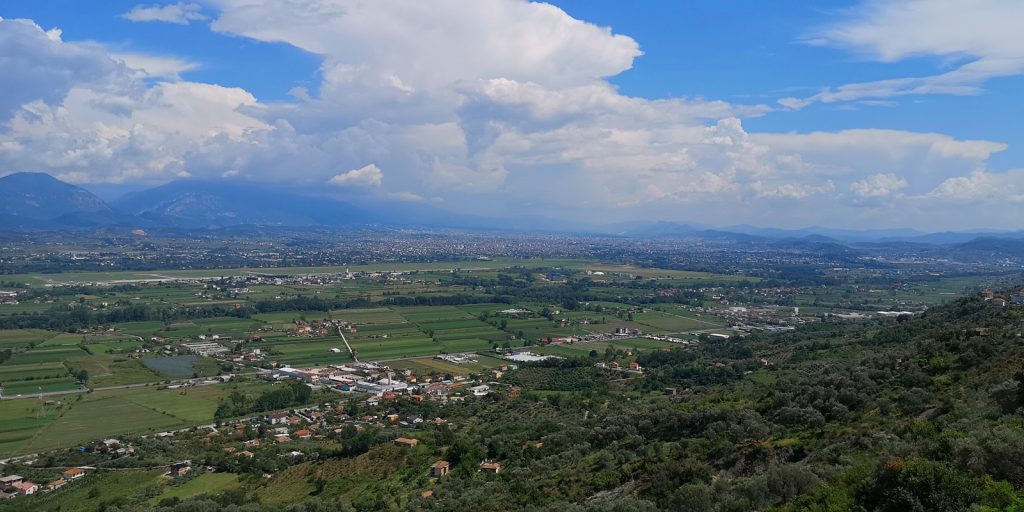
848 114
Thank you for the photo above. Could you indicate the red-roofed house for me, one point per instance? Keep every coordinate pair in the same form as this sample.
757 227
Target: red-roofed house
25 487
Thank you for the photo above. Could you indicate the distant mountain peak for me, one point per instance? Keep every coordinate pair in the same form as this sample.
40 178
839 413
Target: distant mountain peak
40 197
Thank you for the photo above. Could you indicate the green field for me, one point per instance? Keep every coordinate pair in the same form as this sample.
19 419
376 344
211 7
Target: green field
27 387
429 365
206 483
368 316
113 370
46 355
371 350
308 351
11 372
19 338
64 338
673 322
30 425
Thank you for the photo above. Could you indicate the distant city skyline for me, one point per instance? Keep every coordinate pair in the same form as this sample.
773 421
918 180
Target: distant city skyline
848 114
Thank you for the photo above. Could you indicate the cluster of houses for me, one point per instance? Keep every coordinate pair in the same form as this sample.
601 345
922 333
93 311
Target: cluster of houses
12 486
248 355
1002 301
383 384
318 422
632 367
320 328
315 422
8 297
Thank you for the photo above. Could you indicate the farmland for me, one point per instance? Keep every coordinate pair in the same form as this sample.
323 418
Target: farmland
380 302
112 356
125 334
30 425
686 374
206 483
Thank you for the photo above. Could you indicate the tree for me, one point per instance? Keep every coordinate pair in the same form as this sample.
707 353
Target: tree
918 485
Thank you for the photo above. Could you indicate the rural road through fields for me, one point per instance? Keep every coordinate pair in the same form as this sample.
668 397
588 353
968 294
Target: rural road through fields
349 347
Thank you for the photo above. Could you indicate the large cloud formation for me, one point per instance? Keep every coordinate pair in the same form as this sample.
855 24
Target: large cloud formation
502 104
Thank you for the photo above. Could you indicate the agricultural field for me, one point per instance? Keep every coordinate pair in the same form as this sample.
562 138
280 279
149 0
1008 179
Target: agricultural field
30 387
21 338
64 338
384 349
46 355
931 292
368 316
206 483
18 372
405 337
660 322
65 421
429 365
289 317
112 347
307 351
113 370
541 328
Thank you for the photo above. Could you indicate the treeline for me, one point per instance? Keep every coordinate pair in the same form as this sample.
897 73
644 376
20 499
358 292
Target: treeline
291 394
82 316
76 290
306 303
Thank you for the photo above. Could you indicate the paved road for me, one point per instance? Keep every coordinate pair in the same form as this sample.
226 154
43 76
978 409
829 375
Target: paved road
349 347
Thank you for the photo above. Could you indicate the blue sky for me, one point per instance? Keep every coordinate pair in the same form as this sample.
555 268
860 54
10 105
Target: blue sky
857 113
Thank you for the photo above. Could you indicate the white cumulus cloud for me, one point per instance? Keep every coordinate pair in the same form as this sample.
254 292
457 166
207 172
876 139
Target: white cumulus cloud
155 66
366 176
879 185
982 185
180 13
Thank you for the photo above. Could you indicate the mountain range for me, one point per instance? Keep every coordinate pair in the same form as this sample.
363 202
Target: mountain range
39 201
